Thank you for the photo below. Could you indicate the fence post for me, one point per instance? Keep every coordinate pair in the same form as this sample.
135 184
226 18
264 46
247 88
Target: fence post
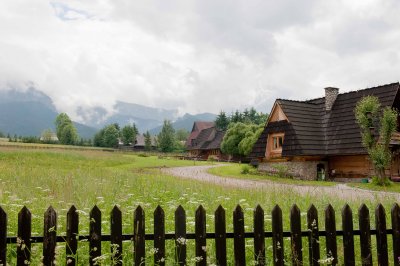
24 237
94 235
381 239
49 236
139 236
365 235
116 236
295 239
348 235
239 240
72 233
277 236
3 237
313 236
201 241
396 233
159 236
330 228
220 236
180 235
259 235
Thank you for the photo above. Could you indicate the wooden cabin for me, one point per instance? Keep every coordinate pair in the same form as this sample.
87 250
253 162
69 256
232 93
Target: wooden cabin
321 138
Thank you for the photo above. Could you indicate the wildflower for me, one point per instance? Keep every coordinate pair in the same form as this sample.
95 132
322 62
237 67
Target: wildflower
181 241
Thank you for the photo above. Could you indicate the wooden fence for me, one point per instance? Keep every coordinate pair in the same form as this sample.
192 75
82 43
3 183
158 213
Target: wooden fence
23 240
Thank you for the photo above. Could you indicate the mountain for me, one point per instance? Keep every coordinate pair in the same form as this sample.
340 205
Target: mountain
186 122
28 113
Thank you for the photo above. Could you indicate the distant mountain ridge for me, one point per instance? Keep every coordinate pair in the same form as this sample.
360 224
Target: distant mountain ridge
186 122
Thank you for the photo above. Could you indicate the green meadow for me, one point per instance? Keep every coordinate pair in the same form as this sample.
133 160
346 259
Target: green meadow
38 178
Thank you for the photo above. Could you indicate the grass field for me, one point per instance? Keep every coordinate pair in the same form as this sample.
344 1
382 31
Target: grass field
38 178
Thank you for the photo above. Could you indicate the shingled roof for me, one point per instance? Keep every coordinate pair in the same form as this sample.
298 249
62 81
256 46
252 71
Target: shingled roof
311 130
198 126
208 139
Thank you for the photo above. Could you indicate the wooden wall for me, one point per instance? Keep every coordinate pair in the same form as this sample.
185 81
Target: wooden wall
350 166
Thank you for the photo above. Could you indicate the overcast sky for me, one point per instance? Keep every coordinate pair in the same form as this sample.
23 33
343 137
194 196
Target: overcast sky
197 56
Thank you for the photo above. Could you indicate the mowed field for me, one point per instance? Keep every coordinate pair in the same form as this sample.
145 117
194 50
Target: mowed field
38 178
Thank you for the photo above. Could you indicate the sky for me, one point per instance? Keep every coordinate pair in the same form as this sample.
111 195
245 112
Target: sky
196 56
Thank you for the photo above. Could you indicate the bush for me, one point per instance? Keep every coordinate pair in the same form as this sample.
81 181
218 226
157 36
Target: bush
282 171
381 182
143 155
245 169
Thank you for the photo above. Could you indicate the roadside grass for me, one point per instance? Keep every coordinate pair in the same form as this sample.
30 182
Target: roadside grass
235 170
394 187
61 178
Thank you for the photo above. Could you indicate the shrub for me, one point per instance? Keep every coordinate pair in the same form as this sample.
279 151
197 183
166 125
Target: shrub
282 171
381 182
245 169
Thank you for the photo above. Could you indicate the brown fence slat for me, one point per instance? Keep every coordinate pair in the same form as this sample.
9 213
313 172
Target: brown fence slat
239 240
180 235
3 237
365 235
24 236
330 228
295 240
72 233
159 236
116 236
396 233
220 236
348 236
381 238
313 236
277 236
49 236
94 235
201 241
259 236
139 236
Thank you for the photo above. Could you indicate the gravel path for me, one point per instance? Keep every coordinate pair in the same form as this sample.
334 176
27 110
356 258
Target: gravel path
341 190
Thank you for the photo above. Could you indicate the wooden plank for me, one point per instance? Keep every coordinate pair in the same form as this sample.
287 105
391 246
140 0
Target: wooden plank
348 236
139 236
365 235
295 240
277 236
94 235
180 235
201 240
381 238
313 236
49 236
159 236
395 213
24 237
259 238
3 237
220 236
71 244
330 228
116 236
239 240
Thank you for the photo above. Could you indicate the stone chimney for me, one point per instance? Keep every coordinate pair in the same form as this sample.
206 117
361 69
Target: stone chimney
331 94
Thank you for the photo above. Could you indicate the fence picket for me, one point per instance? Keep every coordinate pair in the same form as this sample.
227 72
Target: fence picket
239 240
94 235
220 236
24 237
330 228
259 238
3 237
116 236
277 236
159 236
139 236
49 236
180 235
365 235
348 236
295 240
313 235
201 240
395 213
71 238
381 239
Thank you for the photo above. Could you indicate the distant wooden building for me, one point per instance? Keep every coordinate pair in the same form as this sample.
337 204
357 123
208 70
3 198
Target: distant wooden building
140 142
321 137
205 141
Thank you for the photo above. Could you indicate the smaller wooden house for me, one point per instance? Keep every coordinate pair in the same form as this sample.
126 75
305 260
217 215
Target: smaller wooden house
320 138
205 141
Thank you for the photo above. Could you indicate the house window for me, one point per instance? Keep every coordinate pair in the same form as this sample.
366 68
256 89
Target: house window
277 142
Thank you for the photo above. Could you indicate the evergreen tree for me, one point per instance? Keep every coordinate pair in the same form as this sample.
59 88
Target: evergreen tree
222 121
128 134
147 141
166 138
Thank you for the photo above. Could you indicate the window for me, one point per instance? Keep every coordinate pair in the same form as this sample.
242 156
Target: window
277 142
